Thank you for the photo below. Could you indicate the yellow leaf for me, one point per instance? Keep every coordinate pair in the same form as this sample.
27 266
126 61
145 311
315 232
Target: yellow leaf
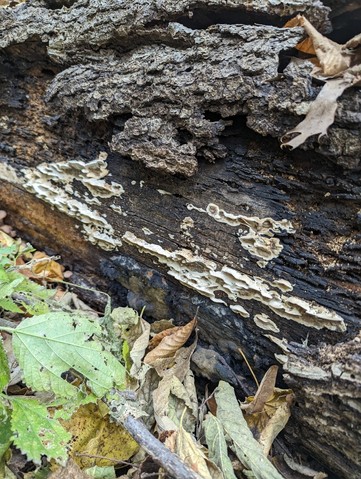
171 343
96 441
47 268
5 239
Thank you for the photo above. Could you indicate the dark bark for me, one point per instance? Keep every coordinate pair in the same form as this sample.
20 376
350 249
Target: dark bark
265 242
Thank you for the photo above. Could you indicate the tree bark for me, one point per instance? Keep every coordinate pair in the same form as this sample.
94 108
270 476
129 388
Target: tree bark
142 139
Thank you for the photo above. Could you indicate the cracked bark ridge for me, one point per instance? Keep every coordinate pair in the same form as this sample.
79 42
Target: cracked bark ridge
177 88
170 91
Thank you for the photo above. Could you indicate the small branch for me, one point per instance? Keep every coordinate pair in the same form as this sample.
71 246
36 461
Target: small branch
160 454
5 325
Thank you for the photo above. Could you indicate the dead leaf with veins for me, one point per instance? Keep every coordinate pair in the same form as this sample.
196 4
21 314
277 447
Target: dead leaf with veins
339 66
170 343
193 454
268 411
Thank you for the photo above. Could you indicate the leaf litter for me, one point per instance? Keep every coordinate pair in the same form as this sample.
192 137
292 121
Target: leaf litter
83 377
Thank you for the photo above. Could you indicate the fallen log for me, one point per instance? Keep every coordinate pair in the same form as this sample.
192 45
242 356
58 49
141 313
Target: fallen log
142 139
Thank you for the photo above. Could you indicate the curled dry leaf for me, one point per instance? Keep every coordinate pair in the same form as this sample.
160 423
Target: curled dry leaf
331 56
47 268
171 343
339 66
193 454
321 114
155 341
268 411
264 392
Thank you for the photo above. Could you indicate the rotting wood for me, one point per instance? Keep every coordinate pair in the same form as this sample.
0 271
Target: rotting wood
214 240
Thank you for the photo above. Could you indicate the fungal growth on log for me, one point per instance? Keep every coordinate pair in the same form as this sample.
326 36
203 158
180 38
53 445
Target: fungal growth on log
141 140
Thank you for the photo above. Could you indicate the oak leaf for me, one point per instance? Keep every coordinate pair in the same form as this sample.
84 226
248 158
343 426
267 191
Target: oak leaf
338 65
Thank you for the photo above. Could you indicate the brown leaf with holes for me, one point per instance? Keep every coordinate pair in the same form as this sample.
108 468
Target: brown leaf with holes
171 343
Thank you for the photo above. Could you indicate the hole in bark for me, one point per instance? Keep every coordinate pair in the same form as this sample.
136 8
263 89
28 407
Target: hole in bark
345 19
212 115
118 121
284 58
202 18
58 4
183 136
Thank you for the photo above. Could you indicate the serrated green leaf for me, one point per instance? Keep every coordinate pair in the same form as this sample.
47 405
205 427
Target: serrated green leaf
9 305
35 433
97 472
3 274
243 444
126 355
5 430
7 289
34 306
8 250
50 344
29 286
4 367
217 446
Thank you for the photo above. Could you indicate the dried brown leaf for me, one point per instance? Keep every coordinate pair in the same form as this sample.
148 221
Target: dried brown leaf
333 59
70 471
306 46
354 42
170 344
268 423
320 115
176 394
193 454
155 341
264 392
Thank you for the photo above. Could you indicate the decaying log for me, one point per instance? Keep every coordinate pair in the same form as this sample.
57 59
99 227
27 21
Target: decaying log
141 138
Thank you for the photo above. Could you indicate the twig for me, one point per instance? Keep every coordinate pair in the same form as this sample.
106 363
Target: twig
7 324
160 454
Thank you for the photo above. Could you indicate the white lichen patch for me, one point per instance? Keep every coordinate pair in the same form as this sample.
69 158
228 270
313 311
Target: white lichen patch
147 231
187 224
302 369
256 235
8 173
164 192
281 343
237 308
265 322
44 183
99 188
205 277
90 174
